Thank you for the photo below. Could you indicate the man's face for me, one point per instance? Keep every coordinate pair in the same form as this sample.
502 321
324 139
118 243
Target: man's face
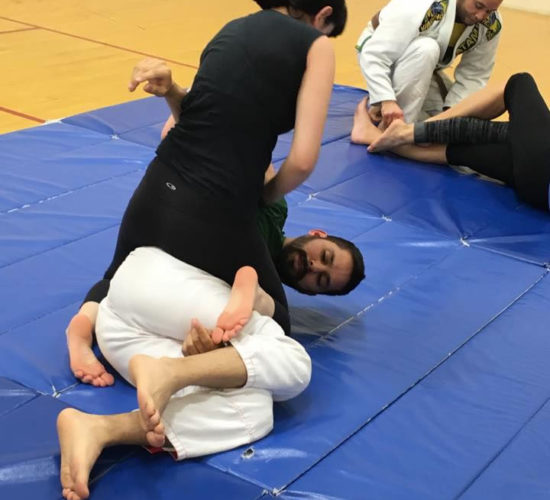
314 265
470 12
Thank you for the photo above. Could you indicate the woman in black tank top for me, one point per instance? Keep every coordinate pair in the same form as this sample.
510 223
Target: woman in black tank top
260 76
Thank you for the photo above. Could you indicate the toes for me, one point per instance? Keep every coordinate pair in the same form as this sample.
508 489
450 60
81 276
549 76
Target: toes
159 428
107 378
149 409
217 335
98 382
154 420
155 439
229 334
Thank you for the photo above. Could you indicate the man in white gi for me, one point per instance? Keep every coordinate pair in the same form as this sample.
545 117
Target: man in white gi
405 45
188 405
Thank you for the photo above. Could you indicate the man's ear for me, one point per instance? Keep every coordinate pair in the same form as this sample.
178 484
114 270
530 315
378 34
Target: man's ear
317 232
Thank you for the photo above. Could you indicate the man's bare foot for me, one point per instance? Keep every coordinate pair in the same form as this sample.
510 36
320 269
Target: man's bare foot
397 134
155 385
364 131
239 308
83 361
81 439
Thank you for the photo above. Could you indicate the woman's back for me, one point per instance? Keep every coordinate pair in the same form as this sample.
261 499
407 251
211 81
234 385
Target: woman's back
243 96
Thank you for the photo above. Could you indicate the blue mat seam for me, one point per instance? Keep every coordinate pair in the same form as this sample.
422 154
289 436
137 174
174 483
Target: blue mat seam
50 249
44 315
506 445
66 193
20 405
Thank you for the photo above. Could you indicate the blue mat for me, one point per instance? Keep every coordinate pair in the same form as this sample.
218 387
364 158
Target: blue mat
431 380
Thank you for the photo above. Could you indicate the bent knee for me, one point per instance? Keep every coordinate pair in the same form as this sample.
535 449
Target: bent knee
424 50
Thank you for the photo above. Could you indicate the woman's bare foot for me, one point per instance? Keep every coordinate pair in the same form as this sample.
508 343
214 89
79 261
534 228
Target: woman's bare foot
155 385
239 308
364 131
397 134
82 439
83 361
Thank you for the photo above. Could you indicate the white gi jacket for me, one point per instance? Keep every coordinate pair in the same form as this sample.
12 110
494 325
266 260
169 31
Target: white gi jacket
401 21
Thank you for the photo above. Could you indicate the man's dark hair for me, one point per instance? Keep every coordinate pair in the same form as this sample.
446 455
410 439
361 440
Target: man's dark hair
358 270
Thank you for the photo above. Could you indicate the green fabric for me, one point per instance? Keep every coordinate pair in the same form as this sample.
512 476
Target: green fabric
271 220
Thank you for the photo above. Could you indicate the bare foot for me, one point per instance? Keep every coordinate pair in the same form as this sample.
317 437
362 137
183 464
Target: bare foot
239 308
84 363
155 385
364 131
81 441
397 134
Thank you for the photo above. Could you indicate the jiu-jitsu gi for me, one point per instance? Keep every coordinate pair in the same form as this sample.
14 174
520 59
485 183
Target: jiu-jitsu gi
404 47
148 310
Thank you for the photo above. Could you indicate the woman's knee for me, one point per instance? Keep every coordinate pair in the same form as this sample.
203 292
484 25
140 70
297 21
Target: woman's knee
517 85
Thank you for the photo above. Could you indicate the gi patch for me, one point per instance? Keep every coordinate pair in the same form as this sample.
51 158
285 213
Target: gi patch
470 42
493 26
435 13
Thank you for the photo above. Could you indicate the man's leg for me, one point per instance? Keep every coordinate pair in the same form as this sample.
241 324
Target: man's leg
198 423
412 75
82 437
435 97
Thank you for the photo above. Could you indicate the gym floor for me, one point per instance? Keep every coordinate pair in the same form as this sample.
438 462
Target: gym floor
77 56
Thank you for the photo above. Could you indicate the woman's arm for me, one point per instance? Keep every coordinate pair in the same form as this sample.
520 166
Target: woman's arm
311 112
157 79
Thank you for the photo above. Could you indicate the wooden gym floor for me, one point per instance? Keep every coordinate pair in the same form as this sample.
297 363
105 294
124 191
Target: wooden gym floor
66 57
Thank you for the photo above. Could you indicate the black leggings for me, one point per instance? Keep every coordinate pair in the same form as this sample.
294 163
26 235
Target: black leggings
523 162
215 235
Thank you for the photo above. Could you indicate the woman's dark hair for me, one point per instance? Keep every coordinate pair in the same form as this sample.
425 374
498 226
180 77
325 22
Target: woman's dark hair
338 17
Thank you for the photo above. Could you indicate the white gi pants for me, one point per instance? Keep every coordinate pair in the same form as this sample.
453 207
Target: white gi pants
151 301
413 82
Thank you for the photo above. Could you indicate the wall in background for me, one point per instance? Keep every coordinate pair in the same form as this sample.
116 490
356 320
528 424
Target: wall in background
538 6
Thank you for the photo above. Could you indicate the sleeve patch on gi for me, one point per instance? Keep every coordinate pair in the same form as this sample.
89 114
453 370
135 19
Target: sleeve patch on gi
435 13
493 26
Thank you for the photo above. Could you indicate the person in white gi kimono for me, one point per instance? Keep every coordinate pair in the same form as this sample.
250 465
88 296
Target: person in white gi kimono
405 45
189 405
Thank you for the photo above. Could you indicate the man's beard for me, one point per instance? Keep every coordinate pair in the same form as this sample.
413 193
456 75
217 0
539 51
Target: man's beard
292 264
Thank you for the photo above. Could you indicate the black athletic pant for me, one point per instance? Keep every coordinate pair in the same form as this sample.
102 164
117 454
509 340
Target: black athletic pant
524 160
218 236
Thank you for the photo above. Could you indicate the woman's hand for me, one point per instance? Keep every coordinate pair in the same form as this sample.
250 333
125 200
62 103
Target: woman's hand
156 75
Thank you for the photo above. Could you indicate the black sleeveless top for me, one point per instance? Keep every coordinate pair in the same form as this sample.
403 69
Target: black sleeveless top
243 96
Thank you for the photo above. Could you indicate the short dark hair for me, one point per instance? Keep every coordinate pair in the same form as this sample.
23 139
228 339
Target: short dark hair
338 17
358 270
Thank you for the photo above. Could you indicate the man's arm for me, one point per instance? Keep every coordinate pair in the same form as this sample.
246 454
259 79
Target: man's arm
399 26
